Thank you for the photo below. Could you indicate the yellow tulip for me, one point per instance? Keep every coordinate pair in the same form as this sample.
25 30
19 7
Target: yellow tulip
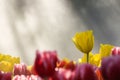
84 41
84 58
94 59
105 50
7 62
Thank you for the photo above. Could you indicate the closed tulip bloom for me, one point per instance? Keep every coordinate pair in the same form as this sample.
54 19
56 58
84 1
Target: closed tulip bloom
110 68
5 75
115 51
21 69
85 72
84 41
45 63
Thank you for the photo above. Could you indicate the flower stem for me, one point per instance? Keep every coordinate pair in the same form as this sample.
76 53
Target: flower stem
87 57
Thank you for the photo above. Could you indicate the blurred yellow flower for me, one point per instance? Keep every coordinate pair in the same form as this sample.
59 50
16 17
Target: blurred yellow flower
94 59
84 58
84 41
105 50
7 62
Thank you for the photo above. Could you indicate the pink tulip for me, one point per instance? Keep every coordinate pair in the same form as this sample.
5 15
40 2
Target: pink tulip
110 68
115 51
63 74
23 77
5 75
45 63
20 69
85 72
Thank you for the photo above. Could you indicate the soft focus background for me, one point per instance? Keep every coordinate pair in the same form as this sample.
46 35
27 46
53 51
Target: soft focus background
28 25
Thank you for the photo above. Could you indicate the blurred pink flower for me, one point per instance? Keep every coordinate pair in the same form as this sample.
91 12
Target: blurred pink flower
110 68
63 74
45 63
115 51
23 77
20 69
5 75
85 72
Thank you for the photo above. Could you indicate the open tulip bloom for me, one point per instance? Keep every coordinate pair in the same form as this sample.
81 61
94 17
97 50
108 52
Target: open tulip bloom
104 65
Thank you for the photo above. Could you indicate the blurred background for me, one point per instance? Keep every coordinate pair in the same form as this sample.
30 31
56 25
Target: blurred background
28 25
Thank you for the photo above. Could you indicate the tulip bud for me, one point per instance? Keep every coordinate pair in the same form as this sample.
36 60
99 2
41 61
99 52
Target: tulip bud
110 68
85 72
20 69
115 51
5 75
45 63
84 41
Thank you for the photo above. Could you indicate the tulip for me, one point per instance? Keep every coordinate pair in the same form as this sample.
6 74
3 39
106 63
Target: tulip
85 72
105 50
115 51
21 69
29 77
84 41
5 75
7 62
110 68
63 74
45 63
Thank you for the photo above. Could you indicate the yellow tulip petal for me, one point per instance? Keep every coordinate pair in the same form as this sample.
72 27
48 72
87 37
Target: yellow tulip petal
5 66
84 58
84 41
7 62
105 50
95 59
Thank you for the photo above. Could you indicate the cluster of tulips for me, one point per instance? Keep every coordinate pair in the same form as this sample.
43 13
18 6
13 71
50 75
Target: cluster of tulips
104 65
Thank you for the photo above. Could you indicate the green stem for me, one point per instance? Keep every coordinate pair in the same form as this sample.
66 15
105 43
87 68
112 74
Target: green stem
87 57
